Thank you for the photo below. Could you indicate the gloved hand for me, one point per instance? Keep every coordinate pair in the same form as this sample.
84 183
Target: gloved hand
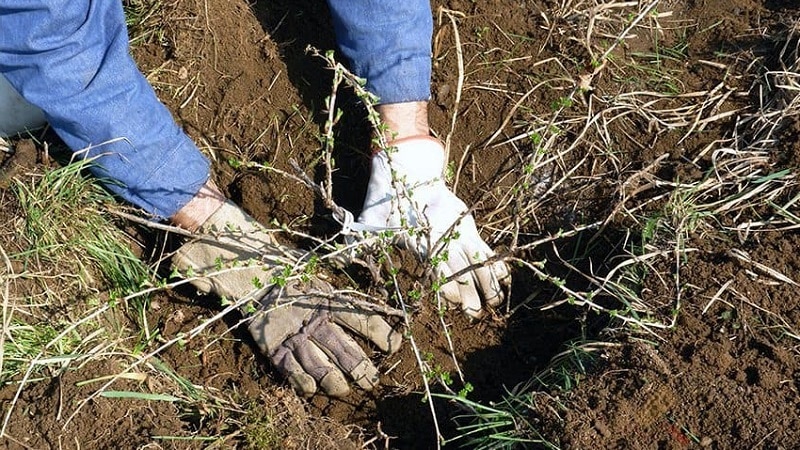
406 189
297 324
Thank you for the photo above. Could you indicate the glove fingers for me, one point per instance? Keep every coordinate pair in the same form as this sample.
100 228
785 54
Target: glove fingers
468 294
367 324
488 276
489 285
287 364
271 327
499 268
470 300
316 363
502 275
345 353
449 291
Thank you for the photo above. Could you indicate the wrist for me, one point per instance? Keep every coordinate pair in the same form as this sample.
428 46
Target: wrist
404 120
200 208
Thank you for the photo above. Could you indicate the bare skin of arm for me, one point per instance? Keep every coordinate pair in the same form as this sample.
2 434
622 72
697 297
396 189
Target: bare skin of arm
202 206
402 120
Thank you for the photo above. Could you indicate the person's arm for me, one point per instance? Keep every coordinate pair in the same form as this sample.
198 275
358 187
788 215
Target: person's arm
389 44
71 58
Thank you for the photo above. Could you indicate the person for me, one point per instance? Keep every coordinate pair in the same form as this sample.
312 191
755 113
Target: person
70 58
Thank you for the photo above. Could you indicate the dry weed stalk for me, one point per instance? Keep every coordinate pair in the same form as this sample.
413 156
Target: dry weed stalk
6 278
741 177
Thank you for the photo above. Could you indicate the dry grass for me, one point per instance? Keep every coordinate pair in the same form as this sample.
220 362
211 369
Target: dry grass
571 149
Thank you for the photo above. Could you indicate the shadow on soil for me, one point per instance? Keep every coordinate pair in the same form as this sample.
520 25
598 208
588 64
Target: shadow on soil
528 342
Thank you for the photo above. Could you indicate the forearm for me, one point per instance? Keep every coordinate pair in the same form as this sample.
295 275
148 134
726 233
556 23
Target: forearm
389 44
71 58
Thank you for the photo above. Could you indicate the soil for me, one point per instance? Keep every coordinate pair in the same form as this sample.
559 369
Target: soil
237 76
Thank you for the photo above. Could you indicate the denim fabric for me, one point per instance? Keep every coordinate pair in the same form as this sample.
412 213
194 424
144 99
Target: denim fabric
71 59
389 44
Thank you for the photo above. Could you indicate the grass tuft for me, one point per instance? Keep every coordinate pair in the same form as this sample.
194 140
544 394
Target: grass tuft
141 17
66 222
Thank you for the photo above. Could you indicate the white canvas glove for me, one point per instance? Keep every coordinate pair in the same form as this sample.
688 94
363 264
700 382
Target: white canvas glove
416 164
300 326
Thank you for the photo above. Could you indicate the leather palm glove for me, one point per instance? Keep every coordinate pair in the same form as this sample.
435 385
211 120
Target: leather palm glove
406 189
298 321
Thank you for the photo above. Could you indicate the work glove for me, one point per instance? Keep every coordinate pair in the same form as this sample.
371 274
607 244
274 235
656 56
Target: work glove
406 189
298 321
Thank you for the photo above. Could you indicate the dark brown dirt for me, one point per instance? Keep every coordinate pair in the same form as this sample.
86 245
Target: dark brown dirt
103 422
238 78
723 378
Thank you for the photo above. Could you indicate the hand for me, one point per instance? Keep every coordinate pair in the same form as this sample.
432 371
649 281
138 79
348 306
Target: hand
414 167
298 325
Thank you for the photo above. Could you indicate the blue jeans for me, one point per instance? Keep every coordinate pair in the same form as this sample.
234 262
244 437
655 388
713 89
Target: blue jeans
71 59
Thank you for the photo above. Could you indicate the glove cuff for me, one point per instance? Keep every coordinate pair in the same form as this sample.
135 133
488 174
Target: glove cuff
418 159
396 142
236 250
